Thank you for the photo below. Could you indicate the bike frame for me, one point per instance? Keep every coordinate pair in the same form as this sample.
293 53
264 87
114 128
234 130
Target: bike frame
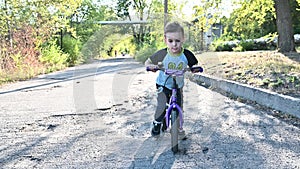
173 105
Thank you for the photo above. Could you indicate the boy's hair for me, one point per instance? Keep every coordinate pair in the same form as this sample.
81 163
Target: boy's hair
173 27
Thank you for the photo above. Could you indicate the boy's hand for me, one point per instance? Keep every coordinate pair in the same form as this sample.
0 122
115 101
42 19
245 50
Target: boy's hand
196 69
152 68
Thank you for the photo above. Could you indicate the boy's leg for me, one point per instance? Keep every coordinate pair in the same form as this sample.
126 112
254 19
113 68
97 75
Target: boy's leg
161 104
160 111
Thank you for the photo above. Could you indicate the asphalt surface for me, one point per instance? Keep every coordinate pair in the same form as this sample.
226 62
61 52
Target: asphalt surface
99 115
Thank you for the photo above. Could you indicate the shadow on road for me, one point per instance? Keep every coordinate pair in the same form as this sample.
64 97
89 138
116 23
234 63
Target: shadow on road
154 153
81 73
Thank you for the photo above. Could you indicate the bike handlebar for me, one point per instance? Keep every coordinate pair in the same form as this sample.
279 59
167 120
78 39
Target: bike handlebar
195 69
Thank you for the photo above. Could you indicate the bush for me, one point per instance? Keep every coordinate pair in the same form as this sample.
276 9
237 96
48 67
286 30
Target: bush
125 45
72 47
53 58
239 48
244 45
144 54
223 46
248 45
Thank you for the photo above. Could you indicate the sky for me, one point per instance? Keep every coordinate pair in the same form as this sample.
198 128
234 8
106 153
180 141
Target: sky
227 5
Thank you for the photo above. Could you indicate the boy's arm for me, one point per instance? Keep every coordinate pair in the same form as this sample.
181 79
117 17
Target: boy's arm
148 62
157 57
150 66
192 60
153 61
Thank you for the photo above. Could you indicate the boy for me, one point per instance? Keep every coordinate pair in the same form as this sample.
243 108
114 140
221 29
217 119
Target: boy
172 57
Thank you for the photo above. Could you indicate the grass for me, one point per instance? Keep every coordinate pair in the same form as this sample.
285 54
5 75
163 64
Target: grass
264 69
20 73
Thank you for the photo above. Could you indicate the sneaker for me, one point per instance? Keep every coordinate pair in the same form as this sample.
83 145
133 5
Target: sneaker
156 128
164 126
181 134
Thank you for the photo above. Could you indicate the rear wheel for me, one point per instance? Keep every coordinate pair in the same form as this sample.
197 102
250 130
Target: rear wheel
174 130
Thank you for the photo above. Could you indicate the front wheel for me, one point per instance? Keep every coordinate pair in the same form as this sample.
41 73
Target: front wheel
174 130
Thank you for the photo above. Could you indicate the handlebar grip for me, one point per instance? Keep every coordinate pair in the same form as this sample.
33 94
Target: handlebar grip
148 68
197 69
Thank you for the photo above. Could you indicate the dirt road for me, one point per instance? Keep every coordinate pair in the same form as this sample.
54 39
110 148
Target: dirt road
99 116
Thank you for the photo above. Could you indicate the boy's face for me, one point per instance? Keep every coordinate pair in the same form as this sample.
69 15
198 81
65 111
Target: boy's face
174 41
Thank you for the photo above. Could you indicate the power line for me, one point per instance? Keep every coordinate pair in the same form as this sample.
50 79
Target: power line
121 22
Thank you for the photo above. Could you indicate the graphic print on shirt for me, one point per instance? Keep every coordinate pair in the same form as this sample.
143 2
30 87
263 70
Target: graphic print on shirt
172 65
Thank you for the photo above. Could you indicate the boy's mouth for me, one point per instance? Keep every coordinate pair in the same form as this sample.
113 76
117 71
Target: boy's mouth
174 49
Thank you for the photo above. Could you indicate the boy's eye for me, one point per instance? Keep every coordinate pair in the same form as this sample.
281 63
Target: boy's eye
171 41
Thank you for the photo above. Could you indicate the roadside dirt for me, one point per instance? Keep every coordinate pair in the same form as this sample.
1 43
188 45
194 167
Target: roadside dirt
264 69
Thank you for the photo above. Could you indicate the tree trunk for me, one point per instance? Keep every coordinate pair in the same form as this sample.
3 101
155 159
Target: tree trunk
286 42
8 24
165 12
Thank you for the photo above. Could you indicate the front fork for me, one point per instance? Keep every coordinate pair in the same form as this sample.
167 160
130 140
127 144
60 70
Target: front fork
168 113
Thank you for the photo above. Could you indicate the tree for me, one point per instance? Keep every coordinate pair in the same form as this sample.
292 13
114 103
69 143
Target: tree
85 17
139 6
45 17
253 19
286 42
206 15
295 11
27 25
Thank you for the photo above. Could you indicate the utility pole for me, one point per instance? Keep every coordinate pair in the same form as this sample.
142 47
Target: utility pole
165 12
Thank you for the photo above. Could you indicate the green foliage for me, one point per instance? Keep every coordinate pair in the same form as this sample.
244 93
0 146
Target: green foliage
108 44
145 53
141 11
23 69
156 21
295 7
204 19
90 49
122 8
53 58
98 45
243 45
72 47
124 45
24 27
18 60
46 17
85 19
246 45
220 45
279 82
255 18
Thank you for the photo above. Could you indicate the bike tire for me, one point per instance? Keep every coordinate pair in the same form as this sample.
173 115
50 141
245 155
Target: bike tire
174 131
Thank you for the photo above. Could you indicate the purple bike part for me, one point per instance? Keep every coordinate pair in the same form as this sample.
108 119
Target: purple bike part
174 105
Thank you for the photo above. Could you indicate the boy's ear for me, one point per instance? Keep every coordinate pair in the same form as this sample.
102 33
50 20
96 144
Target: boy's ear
165 38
